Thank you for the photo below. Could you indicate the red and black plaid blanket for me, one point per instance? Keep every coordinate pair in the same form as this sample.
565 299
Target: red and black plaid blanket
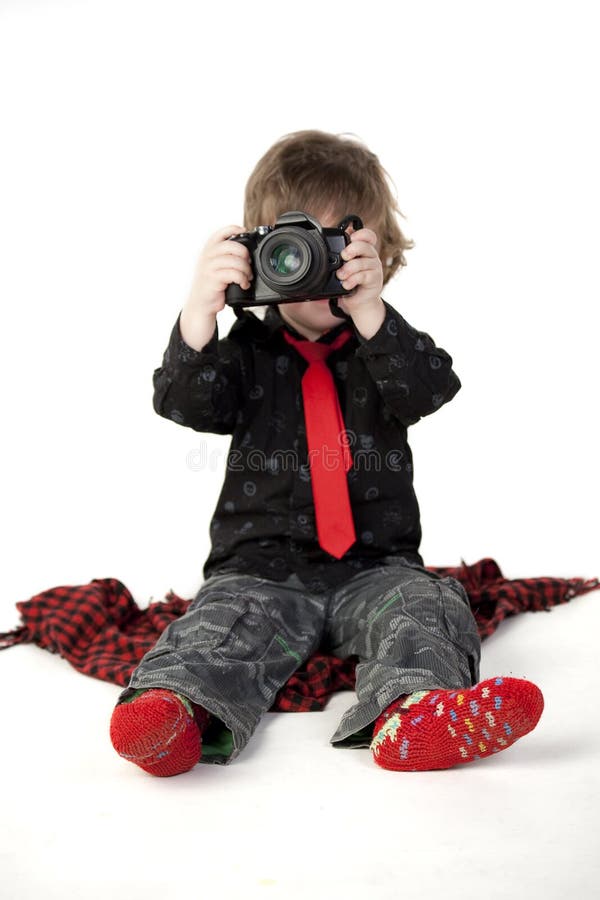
101 631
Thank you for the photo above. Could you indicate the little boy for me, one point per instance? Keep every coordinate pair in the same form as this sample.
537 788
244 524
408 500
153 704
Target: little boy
316 534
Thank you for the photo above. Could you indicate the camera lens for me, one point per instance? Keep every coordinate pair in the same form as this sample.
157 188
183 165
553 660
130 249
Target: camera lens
292 262
285 259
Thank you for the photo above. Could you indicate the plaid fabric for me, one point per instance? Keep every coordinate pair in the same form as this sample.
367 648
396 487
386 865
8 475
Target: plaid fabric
101 631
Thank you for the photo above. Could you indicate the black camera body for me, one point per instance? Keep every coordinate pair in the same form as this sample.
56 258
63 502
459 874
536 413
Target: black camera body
295 259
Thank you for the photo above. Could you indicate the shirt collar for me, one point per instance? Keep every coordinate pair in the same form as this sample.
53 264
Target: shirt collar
273 322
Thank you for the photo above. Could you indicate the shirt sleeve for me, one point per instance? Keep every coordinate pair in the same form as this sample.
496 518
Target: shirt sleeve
413 376
200 389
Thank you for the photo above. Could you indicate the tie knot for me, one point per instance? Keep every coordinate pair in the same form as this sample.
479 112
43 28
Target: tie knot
313 351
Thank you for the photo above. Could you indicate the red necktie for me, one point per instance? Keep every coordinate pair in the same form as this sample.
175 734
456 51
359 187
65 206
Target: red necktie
329 455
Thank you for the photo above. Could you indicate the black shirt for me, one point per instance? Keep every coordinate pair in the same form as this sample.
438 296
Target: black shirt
248 384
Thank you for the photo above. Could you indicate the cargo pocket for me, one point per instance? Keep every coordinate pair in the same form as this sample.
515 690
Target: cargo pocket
240 630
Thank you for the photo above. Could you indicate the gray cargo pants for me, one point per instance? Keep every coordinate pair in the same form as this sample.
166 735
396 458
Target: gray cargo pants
243 636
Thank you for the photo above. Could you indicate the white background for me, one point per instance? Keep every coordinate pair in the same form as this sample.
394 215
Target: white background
128 132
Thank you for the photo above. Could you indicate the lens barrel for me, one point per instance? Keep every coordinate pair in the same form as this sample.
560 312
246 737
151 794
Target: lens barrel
292 261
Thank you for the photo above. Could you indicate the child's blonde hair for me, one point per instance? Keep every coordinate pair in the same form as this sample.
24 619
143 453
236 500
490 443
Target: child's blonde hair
315 171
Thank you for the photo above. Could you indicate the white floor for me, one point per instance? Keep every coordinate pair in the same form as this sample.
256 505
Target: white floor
294 817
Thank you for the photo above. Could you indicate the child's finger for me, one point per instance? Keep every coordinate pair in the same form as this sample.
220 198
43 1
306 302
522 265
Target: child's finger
352 281
357 265
228 248
364 276
224 233
350 268
358 248
230 276
364 234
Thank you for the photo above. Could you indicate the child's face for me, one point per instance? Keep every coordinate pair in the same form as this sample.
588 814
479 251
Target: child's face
312 318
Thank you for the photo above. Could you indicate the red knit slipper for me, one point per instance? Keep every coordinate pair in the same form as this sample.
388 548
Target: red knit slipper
159 731
441 728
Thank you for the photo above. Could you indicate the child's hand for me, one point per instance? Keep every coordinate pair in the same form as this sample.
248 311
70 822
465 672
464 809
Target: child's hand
221 263
362 271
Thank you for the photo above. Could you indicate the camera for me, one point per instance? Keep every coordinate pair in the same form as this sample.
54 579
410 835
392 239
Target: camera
295 259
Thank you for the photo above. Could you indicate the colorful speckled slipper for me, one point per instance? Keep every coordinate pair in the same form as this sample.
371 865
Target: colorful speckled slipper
439 729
